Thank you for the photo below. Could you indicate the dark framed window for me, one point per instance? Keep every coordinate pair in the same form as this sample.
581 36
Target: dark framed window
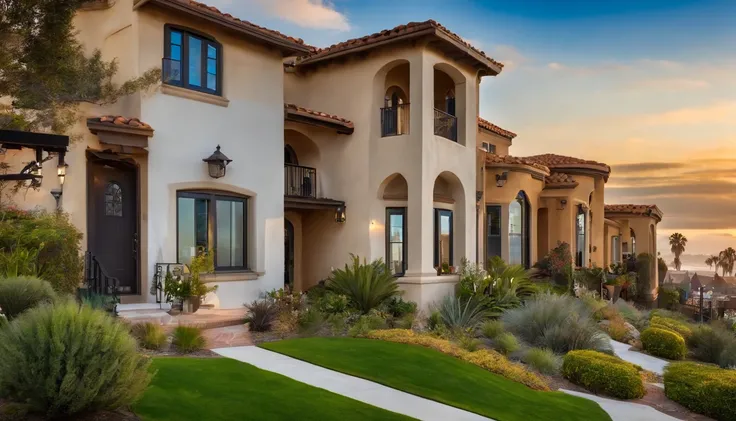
616 249
493 231
519 230
212 221
396 250
113 199
192 60
580 237
443 237
488 147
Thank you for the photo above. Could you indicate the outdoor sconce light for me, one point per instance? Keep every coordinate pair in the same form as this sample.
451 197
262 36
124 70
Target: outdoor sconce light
61 169
57 196
502 178
563 204
217 163
340 216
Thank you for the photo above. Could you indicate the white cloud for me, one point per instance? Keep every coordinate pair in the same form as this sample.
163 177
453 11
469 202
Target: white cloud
509 55
318 14
671 84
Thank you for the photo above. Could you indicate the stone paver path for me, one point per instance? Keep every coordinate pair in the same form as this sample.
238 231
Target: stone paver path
647 362
624 411
352 387
223 337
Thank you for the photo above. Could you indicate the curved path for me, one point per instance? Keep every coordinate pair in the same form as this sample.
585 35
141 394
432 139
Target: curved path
645 361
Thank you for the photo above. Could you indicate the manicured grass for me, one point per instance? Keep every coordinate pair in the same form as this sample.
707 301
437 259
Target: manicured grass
433 375
221 389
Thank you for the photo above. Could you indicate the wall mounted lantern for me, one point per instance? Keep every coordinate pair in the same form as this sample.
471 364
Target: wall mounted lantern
340 216
61 169
502 178
217 163
563 204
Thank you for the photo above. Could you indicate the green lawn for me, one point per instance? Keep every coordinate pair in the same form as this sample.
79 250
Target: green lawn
433 375
221 389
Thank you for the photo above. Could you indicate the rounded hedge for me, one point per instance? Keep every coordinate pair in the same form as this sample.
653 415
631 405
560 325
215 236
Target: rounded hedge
63 359
603 374
705 389
663 343
671 324
23 292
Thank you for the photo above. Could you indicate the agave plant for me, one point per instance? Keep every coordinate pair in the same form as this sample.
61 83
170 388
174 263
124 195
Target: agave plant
461 314
367 285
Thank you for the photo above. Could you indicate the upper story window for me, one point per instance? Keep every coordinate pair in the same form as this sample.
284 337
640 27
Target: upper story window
488 147
192 60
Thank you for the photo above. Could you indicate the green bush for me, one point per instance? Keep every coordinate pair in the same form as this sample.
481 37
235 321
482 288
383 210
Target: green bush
41 244
543 360
701 388
459 314
397 307
63 359
22 293
367 286
149 335
669 298
506 343
310 321
492 328
365 324
331 303
671 324
434 320
262 315
468 343
603 374
663 343
631 314
713 344
188 339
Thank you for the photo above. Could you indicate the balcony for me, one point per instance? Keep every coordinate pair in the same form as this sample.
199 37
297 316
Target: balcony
300 181
445 125
171 71
395 120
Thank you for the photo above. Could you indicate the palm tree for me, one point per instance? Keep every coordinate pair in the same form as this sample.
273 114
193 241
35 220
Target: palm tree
712 260
677 243
727 260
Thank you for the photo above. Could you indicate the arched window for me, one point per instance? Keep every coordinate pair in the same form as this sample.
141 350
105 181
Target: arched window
290 156
580 236
519 230
113 199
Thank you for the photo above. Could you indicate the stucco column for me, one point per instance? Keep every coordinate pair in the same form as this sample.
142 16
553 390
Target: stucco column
597 224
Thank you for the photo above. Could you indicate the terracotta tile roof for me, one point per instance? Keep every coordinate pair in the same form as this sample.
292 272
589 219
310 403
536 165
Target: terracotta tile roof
649 210
560 180
496 160
485 124
319 115
118 120
400 31
561 161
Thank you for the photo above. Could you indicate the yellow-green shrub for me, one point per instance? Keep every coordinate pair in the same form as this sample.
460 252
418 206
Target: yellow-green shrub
674 325
705 389
484 358
663 343
149 335
603 373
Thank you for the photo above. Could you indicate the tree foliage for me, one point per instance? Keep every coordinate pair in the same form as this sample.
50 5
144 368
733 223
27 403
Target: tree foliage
677 246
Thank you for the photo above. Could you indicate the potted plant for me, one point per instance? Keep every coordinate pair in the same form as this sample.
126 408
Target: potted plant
188 290
614 285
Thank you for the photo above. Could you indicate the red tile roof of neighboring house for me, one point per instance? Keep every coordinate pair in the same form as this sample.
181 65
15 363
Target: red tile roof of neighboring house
485 124
647 210
118 120
497 160
570 163
428 27
319 115
560 180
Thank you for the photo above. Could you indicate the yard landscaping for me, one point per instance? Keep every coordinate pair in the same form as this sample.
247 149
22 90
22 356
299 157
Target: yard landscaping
223 389
433 375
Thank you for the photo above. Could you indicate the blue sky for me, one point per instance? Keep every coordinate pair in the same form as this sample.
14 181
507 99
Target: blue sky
647 86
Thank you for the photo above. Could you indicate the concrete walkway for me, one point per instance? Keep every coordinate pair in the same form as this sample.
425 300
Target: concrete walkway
647 362
352 387
624 411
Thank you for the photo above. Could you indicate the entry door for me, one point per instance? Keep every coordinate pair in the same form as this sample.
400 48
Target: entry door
113 221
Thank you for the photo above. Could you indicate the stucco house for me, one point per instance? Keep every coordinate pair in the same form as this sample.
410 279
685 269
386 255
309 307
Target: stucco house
372 146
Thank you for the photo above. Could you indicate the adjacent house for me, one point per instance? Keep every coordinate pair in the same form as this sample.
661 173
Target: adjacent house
372 146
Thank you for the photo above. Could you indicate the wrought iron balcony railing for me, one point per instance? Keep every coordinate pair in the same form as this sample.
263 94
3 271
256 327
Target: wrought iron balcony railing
445 125
300 181
395 120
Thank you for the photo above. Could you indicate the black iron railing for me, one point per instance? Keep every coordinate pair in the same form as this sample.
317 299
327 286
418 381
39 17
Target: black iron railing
395 120
445 125
300 181
97 281
171 71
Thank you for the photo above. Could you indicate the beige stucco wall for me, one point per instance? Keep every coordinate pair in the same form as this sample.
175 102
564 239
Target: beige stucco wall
612 229
502 144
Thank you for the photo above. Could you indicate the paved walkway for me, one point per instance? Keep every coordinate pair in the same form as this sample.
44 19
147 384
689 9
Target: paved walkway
352 387
624 411
647 362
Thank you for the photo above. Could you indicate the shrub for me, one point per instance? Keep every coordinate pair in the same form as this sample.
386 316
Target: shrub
506 343
397 307
713 344
591 278
484 358
669 298
631 314
365 324
603 374
492 328
557 264
262 315
434 321
367 286
468 343
84 360
22 293
663 343
41 244
558 322
670 324
149 335
310 321
457 313
188 339
701 388
617 330
592 300
99 301
331 303
668 314
337 324
543 360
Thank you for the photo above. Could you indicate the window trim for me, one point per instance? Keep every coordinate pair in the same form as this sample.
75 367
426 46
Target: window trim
212 196
499 209
206 40
404 251
581 211
437 214
526 222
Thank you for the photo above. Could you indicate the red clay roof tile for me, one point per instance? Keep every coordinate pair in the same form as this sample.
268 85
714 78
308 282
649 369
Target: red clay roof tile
118 120
649 210
319 114
485 124
561 161
493 159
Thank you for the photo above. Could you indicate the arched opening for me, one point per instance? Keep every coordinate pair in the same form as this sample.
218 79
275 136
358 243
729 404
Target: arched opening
395 189
290 155
581 236
301 158
449 221
394 80
449 102
519 213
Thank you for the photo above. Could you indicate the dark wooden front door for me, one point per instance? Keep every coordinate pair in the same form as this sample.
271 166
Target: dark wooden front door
113 220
